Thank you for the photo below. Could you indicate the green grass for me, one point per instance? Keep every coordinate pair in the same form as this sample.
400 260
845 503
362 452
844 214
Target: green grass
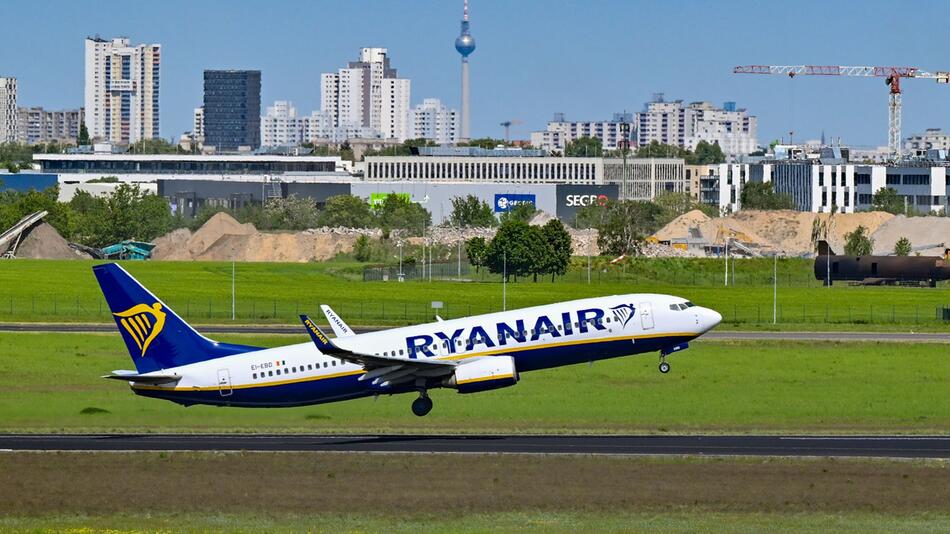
38 290
50 382
568 522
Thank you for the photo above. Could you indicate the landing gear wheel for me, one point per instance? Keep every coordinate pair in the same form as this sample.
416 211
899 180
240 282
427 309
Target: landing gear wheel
422 406
664 367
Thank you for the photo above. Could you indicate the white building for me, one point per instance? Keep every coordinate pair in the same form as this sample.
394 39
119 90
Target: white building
560 132
931 139
8 110
198 123
368 94
674 123
122 90
280 126
433 120
36 125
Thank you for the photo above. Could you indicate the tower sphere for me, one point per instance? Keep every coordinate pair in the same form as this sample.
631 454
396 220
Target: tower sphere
465 44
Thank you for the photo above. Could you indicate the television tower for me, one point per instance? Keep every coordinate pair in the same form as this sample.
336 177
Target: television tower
465 44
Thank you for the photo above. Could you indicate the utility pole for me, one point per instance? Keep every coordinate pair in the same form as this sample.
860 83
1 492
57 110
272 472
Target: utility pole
726 279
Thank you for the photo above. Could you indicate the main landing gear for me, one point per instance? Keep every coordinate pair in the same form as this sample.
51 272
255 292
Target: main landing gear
422 405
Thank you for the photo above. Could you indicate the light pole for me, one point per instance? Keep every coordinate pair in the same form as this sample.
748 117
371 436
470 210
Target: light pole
232 289
504 281
726 276
399 246
775 288
624 146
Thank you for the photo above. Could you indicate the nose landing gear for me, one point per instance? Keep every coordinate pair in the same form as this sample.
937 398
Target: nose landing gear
664 367
422 405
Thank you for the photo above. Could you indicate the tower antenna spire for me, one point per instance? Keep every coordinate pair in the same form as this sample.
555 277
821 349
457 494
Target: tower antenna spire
465 10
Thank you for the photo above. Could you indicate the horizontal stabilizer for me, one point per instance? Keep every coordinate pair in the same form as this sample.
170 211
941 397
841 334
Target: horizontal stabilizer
130 376
824 249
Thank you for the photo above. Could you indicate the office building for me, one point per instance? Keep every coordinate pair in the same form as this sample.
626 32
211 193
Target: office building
232 110
8 110
434 121
36 125
560 132
645 178
280 126
122 90
368 94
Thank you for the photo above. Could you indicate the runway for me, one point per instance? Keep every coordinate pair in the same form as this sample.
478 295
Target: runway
826 446
911 337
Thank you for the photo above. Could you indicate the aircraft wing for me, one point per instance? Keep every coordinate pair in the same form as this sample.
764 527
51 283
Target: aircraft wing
340 328
383 370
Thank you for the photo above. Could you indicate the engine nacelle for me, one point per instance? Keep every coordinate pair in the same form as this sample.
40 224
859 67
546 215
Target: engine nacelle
490 372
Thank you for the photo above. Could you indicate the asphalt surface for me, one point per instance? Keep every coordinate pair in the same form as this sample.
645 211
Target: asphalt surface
855 446
914 337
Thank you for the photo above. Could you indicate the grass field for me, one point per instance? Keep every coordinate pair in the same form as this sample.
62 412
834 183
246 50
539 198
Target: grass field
50 382
41 290
258 492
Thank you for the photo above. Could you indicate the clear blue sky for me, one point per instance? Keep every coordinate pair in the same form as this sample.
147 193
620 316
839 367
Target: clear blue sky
585 58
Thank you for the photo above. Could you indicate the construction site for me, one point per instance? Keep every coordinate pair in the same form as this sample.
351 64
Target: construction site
693 234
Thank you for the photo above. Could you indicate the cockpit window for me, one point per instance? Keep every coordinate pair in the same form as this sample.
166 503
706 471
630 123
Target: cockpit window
689 304
674 307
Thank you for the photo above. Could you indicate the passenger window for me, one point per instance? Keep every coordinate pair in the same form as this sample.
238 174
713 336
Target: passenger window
575 324
270 373
400 352
278 372
294 369
310 367
334 363
325 365
255 376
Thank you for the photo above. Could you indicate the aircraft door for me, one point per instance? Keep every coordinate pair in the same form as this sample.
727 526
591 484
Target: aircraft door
224 382
646 315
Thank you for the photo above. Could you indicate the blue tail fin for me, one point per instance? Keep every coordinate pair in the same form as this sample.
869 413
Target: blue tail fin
155 336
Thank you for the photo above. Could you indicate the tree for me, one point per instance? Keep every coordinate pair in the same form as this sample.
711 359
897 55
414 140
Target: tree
626 224
762 196
887 199
361 249
470 211
83 135
153 146
858 242
559 241
522 212
476 249
129 212
291 213
706 154
397 212
584 147
659 150
346 210
902 247
510 251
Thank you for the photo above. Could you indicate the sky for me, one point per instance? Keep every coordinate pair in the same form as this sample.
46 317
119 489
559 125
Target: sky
587 59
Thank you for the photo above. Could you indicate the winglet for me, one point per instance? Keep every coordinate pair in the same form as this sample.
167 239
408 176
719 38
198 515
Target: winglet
340 328
319 338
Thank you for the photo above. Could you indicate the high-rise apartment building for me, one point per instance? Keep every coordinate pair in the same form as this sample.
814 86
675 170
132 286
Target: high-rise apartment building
685 125
8 110
36 125
232 109
560 132
198 123
280 126
122 90
433 120
368 94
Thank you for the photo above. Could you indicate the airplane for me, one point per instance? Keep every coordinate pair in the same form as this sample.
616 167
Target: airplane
471 354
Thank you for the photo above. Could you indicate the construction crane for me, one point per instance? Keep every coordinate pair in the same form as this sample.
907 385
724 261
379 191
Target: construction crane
507 125
892 77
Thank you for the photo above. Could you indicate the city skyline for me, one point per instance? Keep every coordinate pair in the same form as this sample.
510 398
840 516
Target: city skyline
534 59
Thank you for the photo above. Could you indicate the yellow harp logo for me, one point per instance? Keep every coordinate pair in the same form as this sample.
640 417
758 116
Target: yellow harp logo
143 323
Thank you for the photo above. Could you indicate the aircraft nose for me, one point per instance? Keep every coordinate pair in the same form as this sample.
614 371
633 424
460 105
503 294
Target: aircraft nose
709 319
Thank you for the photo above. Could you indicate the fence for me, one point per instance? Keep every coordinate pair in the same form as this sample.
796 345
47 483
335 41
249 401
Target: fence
407 312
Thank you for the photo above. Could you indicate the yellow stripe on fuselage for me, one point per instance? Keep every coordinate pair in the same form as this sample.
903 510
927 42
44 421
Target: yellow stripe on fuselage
493 352
484 378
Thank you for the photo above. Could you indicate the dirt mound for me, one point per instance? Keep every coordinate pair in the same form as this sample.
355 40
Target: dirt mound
793 232
921 231
181 244
540 218
288 247
679 227
44 242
